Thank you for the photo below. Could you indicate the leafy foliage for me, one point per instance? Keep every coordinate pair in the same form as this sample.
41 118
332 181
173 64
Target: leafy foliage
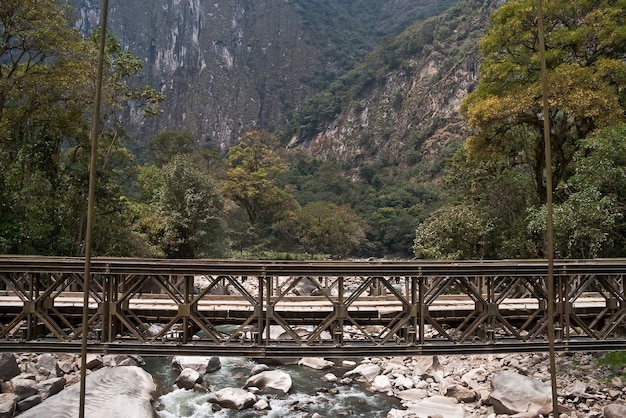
585 58
322 227
191 210
46 91
498 181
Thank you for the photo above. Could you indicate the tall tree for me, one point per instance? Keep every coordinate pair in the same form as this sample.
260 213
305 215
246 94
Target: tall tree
322 227
191 209
586 51
167 144
46 91
253 178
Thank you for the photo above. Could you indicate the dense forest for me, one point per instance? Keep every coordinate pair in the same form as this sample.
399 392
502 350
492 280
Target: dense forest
483 197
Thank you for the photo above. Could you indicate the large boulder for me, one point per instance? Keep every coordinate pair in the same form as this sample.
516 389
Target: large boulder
615 411
270 379
512 393
188 378
23 386
200 364
8 366
366 371
436 406
50 387
47 366
428 366
8 404
110 392
233 398
316 363
381 383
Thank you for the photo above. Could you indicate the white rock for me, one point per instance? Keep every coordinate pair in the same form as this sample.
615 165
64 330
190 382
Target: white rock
196 363
403 382
131 388
437 406
381 383
412 394
270 379
513 393
188 378
315 363
329 377
367 371
233 398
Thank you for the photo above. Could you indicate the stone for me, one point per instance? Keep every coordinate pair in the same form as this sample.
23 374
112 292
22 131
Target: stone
233 398
67 363
93 361
259 368
315 363
270 379
8 366
24 387
402 383
262 405
50 387
213 365
428 366
131 388
614 411
512 393
381 383
329 377
8 404
412 395
197 363
29 402
461 393
575 389
47 366
188 378
121 360
437 406
365 371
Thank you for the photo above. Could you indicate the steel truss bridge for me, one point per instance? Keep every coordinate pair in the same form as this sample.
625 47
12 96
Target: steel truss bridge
296 309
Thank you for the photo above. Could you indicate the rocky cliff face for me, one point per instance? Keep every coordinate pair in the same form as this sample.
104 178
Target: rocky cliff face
413 113
229 66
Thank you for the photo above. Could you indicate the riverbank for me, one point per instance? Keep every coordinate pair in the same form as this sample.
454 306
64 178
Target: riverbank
416 386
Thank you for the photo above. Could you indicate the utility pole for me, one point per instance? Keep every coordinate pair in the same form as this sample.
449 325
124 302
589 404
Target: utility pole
95 129
549 220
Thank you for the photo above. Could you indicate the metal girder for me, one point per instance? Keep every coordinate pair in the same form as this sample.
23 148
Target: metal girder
258 308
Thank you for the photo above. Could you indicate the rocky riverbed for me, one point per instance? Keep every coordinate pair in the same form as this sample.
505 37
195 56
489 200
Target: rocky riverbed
493 386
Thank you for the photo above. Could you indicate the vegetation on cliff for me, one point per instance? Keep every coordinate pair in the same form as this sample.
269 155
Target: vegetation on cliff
374 165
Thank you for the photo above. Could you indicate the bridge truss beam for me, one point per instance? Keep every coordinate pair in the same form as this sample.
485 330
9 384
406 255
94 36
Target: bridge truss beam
327 309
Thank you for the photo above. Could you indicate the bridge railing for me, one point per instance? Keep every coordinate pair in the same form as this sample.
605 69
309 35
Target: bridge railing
410 306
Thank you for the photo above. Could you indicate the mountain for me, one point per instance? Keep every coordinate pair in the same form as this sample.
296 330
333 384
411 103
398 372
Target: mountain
230 66
401 104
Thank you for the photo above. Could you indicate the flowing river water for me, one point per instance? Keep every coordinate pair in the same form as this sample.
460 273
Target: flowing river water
309 393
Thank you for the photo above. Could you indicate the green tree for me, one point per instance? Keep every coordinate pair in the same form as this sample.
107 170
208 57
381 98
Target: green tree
460 231
253 178
46 92
191 210
326 228
589 222
586 47
167 144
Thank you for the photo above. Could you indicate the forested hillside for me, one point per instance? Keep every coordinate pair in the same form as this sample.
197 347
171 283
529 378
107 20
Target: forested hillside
428 145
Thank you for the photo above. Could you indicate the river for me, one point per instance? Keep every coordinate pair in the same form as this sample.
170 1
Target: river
309 393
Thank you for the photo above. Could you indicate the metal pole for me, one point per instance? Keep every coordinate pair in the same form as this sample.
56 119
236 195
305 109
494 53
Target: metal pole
90 202
550 222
